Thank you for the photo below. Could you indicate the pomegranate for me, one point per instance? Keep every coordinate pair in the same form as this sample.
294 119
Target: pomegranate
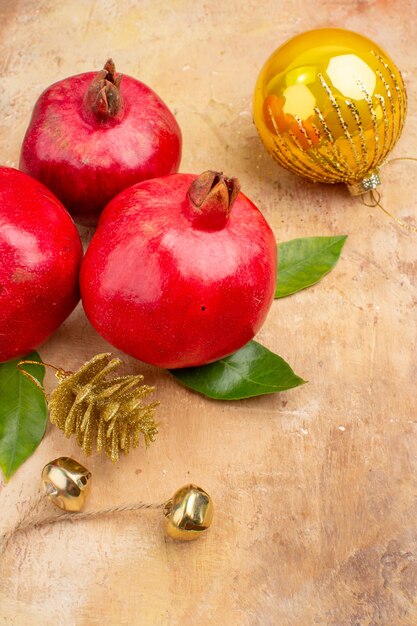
93 135
40 256
181 270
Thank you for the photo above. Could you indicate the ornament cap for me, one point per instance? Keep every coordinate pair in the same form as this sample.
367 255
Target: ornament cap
66 483
367 183
188 513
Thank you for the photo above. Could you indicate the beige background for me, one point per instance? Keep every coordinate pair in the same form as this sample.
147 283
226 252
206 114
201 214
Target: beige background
315 489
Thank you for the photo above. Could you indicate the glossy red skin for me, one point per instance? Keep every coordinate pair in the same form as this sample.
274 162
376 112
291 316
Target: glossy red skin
40 256
168 293
86 162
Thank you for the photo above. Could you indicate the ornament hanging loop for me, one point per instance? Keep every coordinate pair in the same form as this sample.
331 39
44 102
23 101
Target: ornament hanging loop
60 374
375 197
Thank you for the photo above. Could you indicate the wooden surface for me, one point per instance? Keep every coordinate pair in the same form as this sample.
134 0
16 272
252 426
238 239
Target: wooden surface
314 489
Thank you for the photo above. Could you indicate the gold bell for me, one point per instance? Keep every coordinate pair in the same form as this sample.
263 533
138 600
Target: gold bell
188 513
66 483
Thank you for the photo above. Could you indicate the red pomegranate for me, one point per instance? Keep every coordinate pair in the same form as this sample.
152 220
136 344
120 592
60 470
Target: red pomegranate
40 256
181 270
93 135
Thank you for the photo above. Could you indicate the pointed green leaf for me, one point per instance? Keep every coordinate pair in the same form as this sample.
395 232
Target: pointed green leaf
251 371
303 262
23 413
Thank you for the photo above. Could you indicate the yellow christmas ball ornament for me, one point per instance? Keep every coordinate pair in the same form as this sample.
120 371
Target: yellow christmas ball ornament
329 105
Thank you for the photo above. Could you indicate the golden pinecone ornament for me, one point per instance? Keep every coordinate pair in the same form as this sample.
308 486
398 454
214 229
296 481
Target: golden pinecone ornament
110 411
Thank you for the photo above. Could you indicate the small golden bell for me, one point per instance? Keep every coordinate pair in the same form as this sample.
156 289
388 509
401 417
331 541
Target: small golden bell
66 483
188 513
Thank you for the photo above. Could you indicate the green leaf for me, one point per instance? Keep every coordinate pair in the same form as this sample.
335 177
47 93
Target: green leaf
303 262
251 371
23 413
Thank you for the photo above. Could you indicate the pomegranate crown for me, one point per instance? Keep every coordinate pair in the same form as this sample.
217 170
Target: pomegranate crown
211 197
103 96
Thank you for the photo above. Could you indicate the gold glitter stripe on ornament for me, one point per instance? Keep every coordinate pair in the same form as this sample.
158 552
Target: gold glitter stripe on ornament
296 166
400 92
299 147
364 149
303 132
377 155
339 158
342 122
336 169
340 174
385 146
330 157
328 166
394 130
313 158
307 155
316 131
277 154
280 147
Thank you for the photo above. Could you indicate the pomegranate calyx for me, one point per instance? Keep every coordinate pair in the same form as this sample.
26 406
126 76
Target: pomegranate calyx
103 96
211 197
